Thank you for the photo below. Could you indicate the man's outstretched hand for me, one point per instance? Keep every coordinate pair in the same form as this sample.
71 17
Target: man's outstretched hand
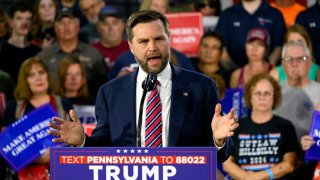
223 126
69 132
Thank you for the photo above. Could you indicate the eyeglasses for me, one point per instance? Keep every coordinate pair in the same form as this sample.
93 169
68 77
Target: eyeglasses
203 5
299 59
266 94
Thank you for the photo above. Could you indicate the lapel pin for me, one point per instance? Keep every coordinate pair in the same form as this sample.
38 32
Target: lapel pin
185 93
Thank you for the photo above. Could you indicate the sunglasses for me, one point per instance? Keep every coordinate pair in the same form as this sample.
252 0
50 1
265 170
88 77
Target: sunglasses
203 5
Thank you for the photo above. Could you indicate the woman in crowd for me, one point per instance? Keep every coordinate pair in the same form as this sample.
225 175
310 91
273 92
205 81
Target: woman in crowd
72 83
256 49
207 7
297 33
32 91
265 145
43 21
209 56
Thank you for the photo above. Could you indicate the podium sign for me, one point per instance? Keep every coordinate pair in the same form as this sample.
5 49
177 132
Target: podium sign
133 163
86 114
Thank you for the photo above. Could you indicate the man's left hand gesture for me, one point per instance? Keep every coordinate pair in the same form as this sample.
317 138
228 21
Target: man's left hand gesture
223 126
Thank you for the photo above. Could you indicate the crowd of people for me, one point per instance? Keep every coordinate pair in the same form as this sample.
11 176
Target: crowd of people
62 51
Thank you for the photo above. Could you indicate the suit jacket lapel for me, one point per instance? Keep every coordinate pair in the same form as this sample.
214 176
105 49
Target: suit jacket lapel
179 100
129 102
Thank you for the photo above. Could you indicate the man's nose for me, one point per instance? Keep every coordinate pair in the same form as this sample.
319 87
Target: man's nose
294 62
152 46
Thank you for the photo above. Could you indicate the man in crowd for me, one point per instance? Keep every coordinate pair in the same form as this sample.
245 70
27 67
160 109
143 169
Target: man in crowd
111 28
300 95
18 47
67 30
90 9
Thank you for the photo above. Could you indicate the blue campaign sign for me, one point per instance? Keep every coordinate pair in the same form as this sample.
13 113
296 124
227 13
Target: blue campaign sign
133 163
27 139
234 97
314 152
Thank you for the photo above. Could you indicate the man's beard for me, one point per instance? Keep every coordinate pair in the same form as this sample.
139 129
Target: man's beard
144 65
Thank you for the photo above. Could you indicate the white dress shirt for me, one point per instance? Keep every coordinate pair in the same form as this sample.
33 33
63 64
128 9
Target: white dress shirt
164 87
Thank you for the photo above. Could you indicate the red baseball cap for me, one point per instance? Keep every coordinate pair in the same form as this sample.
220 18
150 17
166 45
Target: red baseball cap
259 34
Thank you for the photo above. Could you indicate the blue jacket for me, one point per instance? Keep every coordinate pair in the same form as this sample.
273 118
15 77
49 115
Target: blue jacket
193 97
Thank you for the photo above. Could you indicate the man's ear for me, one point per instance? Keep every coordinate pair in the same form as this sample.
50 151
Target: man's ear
130 46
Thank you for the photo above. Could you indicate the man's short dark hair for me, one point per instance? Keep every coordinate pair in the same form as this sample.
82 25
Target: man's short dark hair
145 17
20 6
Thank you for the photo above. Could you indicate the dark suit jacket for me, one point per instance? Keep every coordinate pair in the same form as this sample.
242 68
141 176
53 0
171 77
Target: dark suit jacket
193 99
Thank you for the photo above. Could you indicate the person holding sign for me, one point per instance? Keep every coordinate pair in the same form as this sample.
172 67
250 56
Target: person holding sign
313 168
32 91
266 145
300 94
187 110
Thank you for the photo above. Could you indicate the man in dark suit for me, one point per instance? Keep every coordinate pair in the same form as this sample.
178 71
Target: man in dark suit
187 99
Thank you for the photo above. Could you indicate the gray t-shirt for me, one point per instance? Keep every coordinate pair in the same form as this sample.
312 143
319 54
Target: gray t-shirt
96 70
298 104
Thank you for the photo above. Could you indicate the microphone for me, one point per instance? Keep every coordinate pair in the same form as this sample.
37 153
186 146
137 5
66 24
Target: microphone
148 84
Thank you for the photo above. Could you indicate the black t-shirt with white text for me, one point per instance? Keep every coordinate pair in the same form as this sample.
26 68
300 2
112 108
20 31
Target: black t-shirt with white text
260 146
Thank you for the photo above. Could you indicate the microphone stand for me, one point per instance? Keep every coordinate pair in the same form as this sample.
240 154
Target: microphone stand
147 85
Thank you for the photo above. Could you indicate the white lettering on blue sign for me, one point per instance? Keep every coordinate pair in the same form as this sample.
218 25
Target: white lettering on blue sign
316 133
113 172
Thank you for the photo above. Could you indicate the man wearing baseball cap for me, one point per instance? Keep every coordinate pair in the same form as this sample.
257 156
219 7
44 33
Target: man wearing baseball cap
65 12
111 28
67 28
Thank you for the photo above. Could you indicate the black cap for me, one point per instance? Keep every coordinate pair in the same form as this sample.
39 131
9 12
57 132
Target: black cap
65 12
109 11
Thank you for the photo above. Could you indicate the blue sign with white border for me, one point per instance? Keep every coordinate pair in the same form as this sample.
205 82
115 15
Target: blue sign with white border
27 138
314 152
133 163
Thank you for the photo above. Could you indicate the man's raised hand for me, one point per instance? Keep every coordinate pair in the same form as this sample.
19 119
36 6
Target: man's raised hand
223 126
69 132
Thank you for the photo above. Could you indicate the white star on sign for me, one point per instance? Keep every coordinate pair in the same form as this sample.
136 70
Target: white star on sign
118 151
139 150
132 150
146 151
125 151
